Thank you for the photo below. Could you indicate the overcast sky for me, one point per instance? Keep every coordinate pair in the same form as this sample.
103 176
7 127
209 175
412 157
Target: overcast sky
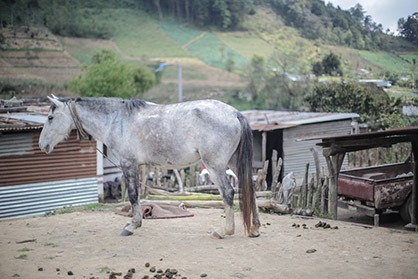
386 12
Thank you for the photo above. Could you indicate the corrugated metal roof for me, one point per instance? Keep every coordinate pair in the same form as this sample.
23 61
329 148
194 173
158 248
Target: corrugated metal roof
266 120
21 121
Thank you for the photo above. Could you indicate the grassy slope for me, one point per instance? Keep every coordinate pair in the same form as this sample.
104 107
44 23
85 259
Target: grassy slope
141 38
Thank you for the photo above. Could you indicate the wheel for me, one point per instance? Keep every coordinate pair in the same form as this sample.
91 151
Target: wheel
406 210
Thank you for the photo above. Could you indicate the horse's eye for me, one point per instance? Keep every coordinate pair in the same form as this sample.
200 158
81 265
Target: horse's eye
50 117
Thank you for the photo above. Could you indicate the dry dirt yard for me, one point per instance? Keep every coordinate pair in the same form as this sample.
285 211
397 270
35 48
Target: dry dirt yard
87 244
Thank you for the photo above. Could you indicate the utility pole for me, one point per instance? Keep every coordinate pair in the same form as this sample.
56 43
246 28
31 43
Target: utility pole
180 85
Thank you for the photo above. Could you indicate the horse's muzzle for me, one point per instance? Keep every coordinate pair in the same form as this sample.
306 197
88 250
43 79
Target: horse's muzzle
45 149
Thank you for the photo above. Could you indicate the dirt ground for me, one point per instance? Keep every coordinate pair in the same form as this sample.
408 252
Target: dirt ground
88 244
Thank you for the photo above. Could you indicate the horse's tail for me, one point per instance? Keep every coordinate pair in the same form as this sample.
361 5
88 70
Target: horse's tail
244 161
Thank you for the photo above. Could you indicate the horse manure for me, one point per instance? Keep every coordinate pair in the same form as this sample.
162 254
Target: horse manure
335 228
152 269
203 275
116 273
310 251
160 271
303 225
294 225
158 276
147 265
129 275
145 277
40 269
174 271
70 273
327 226
57 269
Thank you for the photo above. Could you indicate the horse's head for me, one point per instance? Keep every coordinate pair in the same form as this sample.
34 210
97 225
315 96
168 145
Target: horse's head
57 127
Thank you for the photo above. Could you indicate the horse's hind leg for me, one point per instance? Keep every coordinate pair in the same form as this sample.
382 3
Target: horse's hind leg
227 191
131 173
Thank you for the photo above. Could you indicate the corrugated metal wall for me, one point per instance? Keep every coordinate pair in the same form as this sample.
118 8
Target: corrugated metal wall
44 197
297 153
32 182
70 159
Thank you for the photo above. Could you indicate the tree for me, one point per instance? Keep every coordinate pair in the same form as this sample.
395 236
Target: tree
330 65
107 77
374 106
256 76
409 28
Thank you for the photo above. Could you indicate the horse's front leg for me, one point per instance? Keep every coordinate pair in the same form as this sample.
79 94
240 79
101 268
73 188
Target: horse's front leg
131 173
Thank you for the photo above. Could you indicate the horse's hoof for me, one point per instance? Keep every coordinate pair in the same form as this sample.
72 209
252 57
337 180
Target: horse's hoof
254 231
254 234
126 233
217 234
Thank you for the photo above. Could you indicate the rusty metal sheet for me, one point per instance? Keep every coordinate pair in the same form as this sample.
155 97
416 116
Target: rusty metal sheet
392 194
353 187
71 159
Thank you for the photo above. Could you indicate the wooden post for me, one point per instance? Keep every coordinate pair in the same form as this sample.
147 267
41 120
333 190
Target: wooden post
276 167
263 147
318 184
324 195
177 174
305 182
311 192
192 176
414 195
261 176
334 163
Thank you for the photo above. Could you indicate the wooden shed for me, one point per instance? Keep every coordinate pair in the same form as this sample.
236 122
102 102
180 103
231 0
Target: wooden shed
283 132
33 183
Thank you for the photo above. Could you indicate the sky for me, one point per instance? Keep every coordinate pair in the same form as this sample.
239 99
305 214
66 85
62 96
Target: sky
386 12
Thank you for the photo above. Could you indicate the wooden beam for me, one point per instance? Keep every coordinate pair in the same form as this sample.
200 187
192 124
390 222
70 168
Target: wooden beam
334 166
414 196
333 148
263 146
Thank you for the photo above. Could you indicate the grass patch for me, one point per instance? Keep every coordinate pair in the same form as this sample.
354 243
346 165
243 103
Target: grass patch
246 45
25 250
137 34
89 207
50 258
104 269
97 207
50 244
22 257
211 50
387 61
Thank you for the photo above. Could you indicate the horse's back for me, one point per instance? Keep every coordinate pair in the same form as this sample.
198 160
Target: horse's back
185 132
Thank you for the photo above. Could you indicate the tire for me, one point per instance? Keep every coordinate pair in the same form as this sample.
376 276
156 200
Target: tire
406 210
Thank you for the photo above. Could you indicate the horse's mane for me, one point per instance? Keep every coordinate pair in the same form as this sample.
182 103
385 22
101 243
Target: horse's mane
129 105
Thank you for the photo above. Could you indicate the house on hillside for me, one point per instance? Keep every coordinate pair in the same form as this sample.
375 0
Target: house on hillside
32 182
283 132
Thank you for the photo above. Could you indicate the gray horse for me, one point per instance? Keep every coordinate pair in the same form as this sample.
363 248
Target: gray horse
171 136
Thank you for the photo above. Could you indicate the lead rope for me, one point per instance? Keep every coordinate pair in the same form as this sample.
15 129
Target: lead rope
77 120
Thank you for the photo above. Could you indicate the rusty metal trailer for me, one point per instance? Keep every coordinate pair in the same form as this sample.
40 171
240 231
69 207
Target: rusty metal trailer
378 188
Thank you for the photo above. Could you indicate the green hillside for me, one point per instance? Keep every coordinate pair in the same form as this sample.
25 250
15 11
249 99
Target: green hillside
214 61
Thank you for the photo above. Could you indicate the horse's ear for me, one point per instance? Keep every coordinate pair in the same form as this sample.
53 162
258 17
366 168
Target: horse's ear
55 101
55 97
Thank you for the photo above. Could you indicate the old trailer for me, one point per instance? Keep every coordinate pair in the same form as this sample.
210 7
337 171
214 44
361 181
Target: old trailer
373 190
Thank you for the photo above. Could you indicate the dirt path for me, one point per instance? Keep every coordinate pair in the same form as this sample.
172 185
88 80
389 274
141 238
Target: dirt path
88 245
